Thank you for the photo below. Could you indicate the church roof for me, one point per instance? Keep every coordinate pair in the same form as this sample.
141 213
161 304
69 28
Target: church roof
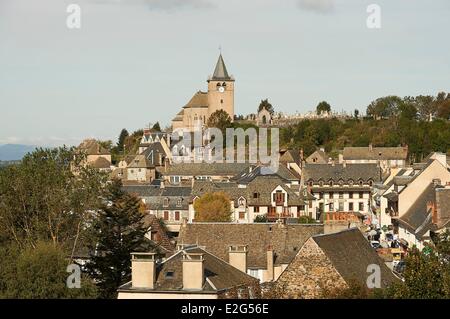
220 72
199 100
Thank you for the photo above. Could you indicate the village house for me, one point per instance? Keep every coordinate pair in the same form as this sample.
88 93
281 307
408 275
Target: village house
429 213
192 272
318 157
327 263
171 204
96 155
385 157
405 191
150 136
341 189
262 250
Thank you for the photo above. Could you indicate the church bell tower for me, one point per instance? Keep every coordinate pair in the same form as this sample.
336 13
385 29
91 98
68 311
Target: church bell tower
221 90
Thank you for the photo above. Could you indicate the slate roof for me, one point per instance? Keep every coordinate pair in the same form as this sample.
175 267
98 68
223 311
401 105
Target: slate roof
142 190
152 223
320 156
353 172
286 240
101 163
155 196
92 147
221 274
261 185
290 156
375 153
152 154
417 218
140 161
283 172
205 169
443 206
199 100
350 253
220 72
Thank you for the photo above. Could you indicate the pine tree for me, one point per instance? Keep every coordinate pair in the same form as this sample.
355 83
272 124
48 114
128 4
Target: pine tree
123 135
117 231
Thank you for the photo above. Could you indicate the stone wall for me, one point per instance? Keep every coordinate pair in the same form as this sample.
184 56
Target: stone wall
308 274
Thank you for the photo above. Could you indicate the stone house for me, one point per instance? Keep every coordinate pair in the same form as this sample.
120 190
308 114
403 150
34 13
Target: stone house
192 272
264 249
385 157
96 155
329 262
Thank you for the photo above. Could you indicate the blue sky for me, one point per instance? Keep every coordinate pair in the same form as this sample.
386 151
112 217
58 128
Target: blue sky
138 61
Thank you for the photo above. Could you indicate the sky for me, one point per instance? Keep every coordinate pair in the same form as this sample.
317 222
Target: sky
135 62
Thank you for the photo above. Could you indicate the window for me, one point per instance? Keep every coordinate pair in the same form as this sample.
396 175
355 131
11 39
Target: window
350 195
169 274
166 215
175 179
350 207
320 183
331 195
331 207
361 206
341 206
361 194
166 202
241 215
350 182
320 195
370 183
301 208
254 273
255 195
331 182
278 197
256 209
177 215
179 202
361 183
341 195
241 202
139 170
310 183
272 210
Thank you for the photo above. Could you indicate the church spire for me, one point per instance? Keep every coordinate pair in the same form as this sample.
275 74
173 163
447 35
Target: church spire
220 72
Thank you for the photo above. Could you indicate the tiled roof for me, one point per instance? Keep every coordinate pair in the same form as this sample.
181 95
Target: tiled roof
417 218
286 240
351 254
205 169
199 100
375 153
221 274
348 172
100 163
92 147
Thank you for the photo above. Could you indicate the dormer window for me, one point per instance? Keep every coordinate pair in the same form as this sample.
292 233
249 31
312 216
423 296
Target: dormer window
370 183
310 183
350 182
255 195
331 182
179 202
320 183
166 202
361 183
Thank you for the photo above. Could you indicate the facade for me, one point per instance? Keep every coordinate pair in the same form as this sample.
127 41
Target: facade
220 96
265 248
96 155
190 273
341 188
318 157
386 157
330 262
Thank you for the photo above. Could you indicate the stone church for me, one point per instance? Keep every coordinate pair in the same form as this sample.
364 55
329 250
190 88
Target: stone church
220 96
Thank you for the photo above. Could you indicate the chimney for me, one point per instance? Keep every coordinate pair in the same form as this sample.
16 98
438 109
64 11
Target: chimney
237 256
344 164
434 216
270 276
370 147
333 163
193 269
143 270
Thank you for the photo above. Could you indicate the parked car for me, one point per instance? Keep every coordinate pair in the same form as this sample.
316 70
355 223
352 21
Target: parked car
375 244
400 267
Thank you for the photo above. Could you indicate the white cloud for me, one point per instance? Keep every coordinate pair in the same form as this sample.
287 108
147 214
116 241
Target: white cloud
321 6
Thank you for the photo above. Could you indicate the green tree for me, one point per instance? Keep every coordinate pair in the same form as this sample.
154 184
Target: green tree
117 231
39 272
265 104
213 207
323 107
156 127
219 119
121 142
48 197
384 107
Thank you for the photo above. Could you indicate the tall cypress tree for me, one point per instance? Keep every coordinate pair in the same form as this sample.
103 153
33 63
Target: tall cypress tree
123 135
117 231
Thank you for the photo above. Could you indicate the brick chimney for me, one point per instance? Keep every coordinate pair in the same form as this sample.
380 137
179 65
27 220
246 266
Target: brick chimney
237 256
143 270
434 216
193 271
